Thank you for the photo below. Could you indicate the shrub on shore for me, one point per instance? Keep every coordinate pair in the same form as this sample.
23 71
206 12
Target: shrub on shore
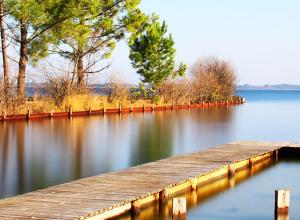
9 101
58 88
118 91
177 92
212 80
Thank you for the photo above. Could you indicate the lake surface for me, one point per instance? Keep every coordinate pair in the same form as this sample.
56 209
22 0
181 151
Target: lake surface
38 154
254 198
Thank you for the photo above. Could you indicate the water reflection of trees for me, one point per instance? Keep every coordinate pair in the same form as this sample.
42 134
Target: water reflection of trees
166 133
155 138
20 137
12 158
4 155
35 155
38 154
214 114
212 126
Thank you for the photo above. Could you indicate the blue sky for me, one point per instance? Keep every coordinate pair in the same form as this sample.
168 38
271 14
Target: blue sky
259 37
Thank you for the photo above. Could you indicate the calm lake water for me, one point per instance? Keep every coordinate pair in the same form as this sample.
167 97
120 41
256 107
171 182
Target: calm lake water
38 154
254 198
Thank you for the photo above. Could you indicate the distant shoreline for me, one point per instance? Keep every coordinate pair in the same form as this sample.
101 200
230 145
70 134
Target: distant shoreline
267 89
277 87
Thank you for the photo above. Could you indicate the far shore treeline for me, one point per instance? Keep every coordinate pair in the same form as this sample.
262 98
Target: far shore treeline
83 34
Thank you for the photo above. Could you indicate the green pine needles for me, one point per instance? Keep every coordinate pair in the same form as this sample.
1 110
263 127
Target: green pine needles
153 54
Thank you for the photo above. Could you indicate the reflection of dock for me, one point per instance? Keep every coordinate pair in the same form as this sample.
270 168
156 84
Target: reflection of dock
108 195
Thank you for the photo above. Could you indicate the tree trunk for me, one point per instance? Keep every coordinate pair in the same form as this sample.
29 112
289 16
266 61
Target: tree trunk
80 71
4 53
23 60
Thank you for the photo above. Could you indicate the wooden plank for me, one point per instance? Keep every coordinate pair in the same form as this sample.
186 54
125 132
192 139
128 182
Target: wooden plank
179 209
282 202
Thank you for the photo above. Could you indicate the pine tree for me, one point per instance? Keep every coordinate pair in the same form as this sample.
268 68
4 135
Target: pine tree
4 51
31 31
93 30
152 53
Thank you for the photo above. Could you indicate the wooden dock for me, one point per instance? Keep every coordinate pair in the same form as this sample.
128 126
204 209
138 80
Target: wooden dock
111 194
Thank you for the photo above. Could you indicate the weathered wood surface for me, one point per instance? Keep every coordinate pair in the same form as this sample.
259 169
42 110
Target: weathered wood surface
282 204
179 209
94 195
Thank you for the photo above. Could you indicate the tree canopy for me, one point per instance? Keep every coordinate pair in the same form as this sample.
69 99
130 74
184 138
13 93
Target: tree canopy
83 31
30 26
90 34
38 20
153 54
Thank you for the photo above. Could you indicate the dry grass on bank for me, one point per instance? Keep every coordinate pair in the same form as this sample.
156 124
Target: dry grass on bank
212 80
80 102
61 97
